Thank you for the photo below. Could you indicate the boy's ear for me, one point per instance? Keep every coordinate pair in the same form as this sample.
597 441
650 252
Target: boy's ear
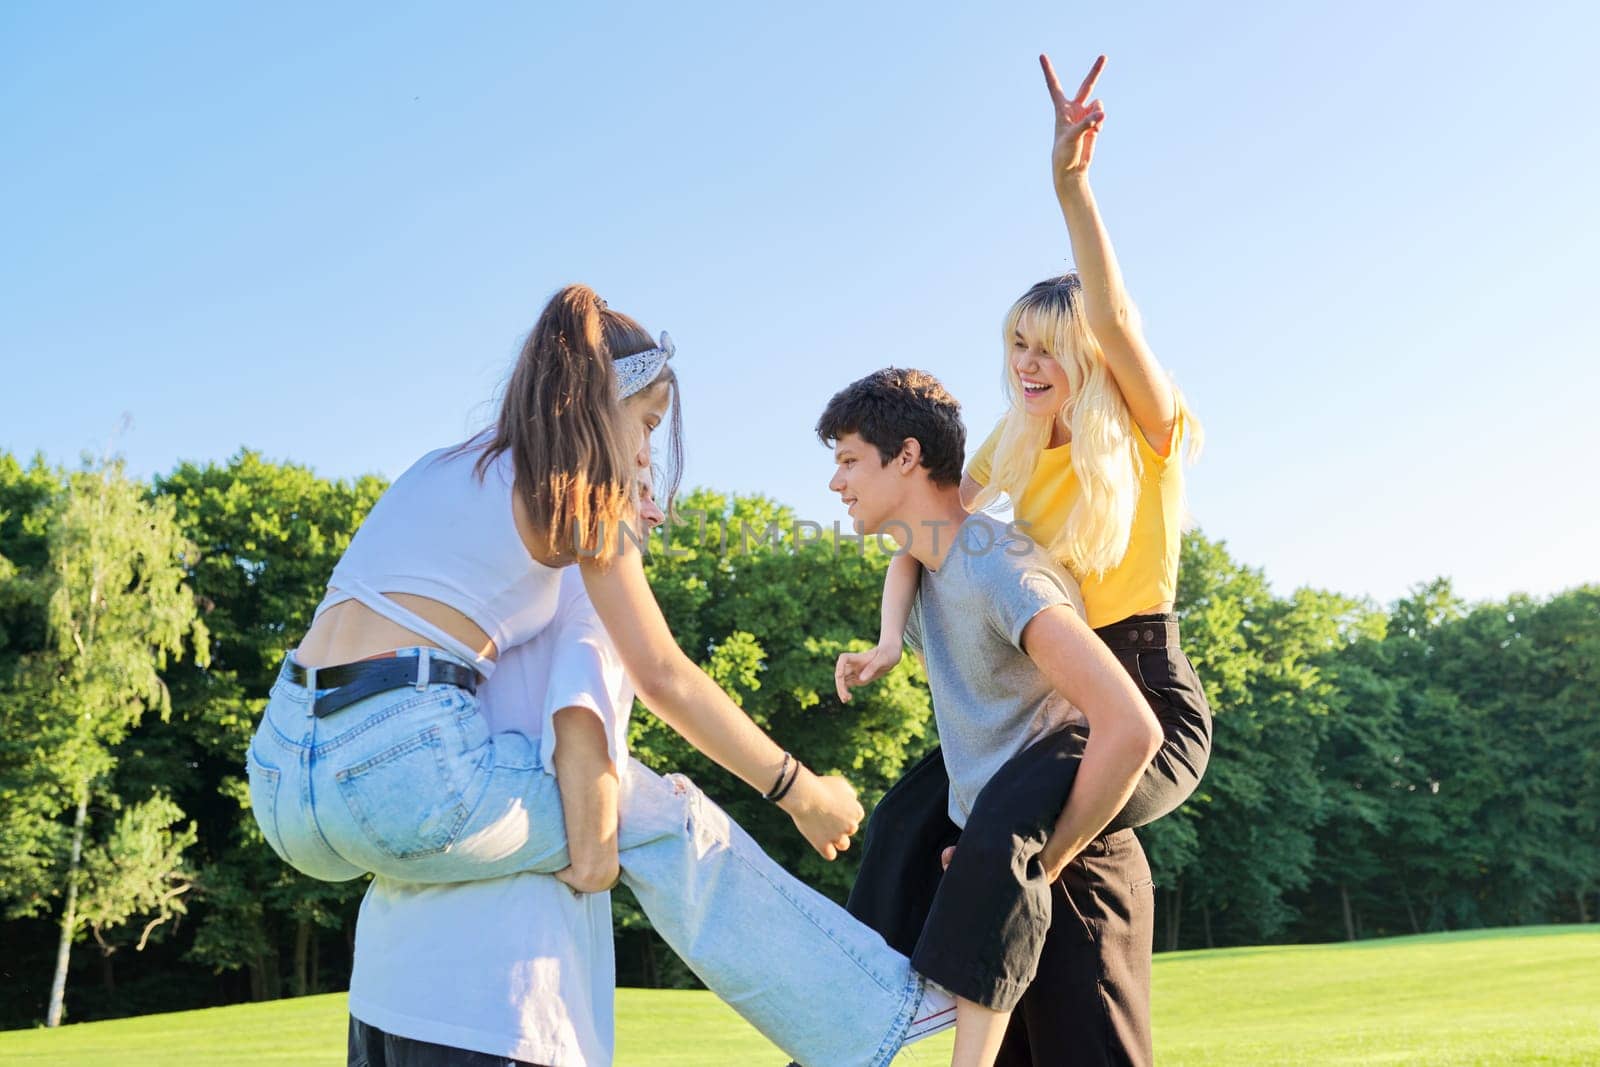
910 457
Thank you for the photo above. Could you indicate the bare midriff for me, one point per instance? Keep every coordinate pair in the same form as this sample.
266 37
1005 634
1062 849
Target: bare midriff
351 631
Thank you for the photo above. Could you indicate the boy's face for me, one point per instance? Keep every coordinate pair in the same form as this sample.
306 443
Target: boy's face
870 489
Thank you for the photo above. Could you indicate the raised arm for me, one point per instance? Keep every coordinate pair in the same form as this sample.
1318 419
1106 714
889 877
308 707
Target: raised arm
1123 732
1107 306
824 809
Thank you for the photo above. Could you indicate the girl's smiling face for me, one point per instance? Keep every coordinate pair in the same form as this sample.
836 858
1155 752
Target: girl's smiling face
1041 379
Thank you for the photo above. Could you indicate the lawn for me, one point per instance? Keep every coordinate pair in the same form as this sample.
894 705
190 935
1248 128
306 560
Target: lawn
1530 995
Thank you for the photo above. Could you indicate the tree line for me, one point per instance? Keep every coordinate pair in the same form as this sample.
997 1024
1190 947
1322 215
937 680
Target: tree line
1427 765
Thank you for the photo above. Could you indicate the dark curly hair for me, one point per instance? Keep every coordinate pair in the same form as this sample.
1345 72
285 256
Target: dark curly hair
890 405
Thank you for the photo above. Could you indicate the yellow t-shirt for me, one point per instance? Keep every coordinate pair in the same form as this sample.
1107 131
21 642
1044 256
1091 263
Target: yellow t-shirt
1148 574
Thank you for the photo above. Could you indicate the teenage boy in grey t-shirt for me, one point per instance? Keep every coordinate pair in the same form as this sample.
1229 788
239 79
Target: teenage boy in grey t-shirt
967 624
1009 657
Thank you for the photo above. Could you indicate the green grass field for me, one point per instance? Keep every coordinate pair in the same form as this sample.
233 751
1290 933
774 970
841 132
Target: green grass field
1530 995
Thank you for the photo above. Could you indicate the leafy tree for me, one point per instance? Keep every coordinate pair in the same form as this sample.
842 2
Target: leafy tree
1254 813
116 609
138 870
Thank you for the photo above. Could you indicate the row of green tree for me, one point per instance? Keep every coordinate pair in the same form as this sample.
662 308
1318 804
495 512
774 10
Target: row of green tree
1433 765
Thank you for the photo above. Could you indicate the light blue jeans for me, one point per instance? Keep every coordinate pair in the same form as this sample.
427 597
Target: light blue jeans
412 785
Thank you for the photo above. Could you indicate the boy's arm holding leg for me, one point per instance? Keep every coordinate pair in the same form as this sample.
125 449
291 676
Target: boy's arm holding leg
1123 732
584 698
587 780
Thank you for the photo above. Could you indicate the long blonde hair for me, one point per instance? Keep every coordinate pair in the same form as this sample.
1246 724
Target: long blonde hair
1105 454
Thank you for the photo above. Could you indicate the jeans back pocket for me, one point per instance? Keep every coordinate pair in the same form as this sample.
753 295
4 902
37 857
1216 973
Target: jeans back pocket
404 798
264 782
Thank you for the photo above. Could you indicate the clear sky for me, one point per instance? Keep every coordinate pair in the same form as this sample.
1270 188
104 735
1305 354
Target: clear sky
1360 235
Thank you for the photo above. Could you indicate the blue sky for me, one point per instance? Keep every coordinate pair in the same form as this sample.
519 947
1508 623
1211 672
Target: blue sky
1360 235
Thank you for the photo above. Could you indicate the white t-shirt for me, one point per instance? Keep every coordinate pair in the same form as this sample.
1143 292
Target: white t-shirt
519 966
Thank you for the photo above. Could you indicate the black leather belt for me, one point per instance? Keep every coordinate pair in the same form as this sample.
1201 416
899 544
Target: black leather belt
350 682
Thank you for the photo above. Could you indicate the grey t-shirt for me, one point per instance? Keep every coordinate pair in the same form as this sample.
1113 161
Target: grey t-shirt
989 699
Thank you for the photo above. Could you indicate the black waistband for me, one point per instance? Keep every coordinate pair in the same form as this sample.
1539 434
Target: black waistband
1141 631
349 682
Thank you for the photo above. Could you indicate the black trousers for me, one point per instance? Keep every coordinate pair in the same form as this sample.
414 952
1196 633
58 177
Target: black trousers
1089 1004
981 928
370 1047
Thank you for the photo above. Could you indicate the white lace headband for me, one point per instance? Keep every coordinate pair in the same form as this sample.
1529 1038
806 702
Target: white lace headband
640 369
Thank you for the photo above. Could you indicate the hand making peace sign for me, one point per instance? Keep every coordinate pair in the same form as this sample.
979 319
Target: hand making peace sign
1078 120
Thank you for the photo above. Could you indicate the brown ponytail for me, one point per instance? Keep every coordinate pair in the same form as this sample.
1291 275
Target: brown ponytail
562 423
